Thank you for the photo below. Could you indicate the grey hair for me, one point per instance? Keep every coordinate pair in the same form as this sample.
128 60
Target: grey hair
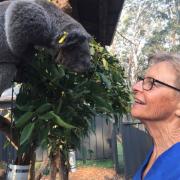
172 58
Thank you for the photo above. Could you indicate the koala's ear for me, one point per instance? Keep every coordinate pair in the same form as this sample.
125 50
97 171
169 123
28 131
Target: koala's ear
68 39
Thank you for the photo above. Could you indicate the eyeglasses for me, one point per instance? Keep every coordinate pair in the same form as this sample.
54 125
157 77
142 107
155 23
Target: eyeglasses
148 83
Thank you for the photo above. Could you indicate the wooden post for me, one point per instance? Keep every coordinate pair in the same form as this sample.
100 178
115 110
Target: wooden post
114 147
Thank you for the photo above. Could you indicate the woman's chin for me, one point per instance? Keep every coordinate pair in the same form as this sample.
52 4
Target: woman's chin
136 113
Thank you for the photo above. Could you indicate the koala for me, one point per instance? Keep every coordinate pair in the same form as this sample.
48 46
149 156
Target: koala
27 24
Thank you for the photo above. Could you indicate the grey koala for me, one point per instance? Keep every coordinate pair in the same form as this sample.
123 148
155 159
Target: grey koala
25 24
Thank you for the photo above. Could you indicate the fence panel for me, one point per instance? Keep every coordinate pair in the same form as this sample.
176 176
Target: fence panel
99 141
7 154
136 144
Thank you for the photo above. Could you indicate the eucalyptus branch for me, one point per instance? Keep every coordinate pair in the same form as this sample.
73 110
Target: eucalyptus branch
59 105
125 38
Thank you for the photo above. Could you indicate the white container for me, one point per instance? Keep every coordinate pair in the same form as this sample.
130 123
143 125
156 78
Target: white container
16 172
72 160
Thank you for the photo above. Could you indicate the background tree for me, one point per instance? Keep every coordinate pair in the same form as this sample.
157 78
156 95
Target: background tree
146 27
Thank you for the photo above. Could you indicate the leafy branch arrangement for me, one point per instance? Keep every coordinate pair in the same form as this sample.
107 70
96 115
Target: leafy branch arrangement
55 107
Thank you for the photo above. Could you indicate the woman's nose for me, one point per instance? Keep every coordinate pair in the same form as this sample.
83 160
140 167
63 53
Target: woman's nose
138 86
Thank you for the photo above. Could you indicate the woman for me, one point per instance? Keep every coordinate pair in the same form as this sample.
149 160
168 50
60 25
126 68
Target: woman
157 106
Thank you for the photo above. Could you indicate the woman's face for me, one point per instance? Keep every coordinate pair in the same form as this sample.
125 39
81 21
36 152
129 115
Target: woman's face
159 103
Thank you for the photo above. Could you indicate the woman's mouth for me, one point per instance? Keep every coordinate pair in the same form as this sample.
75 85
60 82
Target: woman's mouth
138 101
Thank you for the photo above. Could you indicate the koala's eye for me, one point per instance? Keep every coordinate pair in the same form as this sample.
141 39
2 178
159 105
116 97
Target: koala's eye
72 47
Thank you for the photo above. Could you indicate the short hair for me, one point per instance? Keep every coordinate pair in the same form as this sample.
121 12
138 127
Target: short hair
172 58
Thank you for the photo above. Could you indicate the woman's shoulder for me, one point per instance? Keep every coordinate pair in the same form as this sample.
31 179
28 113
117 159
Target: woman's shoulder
167 166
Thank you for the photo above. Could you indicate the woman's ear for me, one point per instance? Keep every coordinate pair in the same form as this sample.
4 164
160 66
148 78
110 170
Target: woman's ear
177 112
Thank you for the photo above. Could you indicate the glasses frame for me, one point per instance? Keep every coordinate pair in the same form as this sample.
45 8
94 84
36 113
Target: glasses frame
155 80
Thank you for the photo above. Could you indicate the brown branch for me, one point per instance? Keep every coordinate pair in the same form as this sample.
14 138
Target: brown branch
125 38
44 165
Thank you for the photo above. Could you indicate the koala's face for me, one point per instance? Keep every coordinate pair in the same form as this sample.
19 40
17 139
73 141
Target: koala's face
75 53
75 57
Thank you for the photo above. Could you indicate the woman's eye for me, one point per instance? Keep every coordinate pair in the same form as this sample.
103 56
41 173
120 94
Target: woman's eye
156 84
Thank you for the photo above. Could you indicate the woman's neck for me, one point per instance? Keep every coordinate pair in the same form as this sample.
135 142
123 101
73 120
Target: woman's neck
164 134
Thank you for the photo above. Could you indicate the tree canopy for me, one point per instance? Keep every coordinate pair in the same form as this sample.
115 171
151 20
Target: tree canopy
146 27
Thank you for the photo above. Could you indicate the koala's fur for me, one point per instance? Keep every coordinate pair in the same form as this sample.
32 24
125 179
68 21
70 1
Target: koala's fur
25 24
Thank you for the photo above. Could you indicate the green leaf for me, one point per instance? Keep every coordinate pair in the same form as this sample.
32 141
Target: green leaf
23 149
105 64
43 137
105 80
92 51
102 104
81 94
26 133
6 144
44 108
59 121
46 116
57 71
61 72
24 119
25 108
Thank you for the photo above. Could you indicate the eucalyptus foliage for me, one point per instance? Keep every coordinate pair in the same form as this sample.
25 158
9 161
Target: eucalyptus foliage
56 107
146 27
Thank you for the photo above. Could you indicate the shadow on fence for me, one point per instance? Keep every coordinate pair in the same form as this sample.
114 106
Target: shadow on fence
136 144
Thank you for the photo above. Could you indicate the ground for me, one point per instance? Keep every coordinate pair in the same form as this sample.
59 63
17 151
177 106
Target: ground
92 170
2 171
92 173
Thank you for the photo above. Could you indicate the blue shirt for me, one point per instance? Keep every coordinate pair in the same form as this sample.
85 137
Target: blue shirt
166 166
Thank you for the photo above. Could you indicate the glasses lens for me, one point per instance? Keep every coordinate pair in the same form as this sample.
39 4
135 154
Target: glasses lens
148 83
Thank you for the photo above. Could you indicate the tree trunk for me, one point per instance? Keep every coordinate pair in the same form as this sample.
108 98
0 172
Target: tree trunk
44 166
54 164
63 168
32 167
58 163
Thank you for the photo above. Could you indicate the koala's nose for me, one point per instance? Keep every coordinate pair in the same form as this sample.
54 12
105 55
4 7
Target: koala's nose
83 66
